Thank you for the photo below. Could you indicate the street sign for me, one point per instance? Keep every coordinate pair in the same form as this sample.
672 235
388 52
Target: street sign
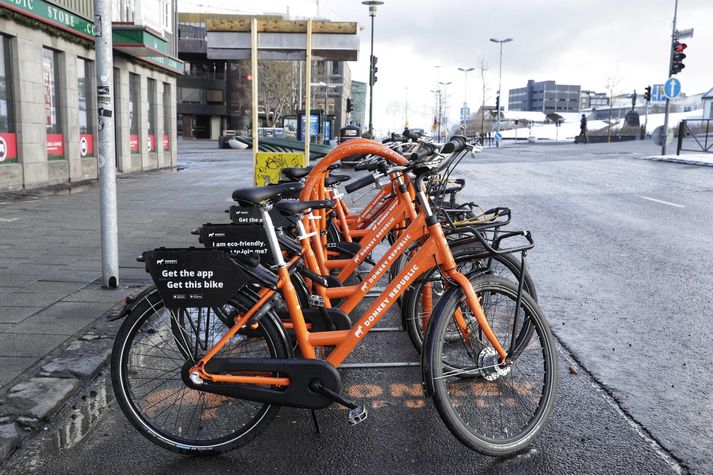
684 33
672 88
498 136
657 94
464 113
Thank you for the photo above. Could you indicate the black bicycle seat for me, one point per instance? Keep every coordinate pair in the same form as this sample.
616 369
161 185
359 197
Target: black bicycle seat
257 194
296 173
292 207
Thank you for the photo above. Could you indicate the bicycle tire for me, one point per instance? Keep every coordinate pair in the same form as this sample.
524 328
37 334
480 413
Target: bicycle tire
502 265
146 352
506 395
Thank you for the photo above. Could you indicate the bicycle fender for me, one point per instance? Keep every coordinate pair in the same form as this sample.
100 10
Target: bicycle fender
133 302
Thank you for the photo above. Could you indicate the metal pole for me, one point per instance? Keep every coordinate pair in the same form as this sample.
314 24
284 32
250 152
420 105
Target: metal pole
371 82
670 65
253 67
107 157
500 97
308 90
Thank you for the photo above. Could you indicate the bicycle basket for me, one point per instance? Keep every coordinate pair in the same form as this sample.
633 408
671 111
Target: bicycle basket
243 239
194 277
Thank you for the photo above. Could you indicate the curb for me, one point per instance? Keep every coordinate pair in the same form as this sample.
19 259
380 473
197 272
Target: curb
29 405
677 160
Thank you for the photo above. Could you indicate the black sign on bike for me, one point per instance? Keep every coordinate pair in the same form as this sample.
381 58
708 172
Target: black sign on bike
194 277
238 239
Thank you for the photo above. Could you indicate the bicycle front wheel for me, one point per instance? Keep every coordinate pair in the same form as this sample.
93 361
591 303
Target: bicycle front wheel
491 408
150 351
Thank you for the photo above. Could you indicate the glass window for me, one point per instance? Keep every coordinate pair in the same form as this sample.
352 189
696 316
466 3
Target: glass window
6 116
8 148
84 75
166 115
134 117
53 106
151 89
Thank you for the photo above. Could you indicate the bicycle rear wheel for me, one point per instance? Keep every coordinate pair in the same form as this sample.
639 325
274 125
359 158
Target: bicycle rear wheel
150 350
493 409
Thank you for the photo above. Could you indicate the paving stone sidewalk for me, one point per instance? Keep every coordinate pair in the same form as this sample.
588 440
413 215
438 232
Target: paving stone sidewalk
51 335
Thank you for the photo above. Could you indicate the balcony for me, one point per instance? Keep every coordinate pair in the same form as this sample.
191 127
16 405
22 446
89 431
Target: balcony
154 15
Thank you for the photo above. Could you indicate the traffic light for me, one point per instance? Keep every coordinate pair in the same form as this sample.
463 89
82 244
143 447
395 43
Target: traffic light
350 106
677 56
372 70
647 93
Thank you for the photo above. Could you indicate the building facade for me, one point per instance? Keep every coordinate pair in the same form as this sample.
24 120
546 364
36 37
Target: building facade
590 100
48 110
545 96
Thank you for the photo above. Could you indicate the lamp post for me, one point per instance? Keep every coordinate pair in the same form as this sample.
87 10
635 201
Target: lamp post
500 81
465 95
372 13
444 98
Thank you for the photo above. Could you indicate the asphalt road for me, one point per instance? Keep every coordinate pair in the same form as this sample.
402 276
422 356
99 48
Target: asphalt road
622 278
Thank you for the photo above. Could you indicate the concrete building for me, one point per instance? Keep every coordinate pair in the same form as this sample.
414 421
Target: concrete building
48 117
593 100
545 96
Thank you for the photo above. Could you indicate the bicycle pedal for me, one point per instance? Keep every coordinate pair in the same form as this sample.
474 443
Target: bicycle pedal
357 415
316 301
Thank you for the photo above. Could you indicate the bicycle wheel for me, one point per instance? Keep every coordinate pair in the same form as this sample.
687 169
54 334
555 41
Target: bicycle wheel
496 410
150 350
416 310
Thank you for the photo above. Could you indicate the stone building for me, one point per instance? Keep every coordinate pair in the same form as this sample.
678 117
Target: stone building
48 116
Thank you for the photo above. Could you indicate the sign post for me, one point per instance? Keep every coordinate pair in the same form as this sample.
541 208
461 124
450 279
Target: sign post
106 157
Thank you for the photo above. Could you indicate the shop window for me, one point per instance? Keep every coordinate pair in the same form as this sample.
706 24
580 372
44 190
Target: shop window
166 116
53 104
8 146
151 89
85 74
134 116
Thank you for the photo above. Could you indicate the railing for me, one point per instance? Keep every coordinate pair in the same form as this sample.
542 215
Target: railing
700 130
148 13
83 8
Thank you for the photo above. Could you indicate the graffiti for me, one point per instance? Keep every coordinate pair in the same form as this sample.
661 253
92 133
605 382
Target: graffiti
268 165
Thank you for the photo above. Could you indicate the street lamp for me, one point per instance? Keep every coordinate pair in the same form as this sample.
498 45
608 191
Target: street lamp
465 94
500 81
372 13
444 98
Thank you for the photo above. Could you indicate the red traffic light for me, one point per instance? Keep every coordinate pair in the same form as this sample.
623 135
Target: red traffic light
679 47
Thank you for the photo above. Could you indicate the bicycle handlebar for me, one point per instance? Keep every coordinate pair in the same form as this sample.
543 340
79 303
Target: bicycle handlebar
360 183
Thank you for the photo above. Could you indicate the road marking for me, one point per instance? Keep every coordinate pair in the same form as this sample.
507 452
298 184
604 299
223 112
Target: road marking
8 220
663 202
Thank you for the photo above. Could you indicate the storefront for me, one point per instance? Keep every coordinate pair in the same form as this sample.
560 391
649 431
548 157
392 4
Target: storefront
48 112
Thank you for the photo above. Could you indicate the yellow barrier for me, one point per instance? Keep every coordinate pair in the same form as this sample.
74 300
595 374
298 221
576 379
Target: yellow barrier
268 165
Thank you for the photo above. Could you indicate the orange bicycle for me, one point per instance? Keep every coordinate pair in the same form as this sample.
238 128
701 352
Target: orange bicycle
203 364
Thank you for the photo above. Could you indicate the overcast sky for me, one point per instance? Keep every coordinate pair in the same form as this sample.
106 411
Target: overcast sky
569 41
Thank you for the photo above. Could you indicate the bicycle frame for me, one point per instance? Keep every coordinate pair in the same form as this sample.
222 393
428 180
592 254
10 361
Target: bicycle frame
434 251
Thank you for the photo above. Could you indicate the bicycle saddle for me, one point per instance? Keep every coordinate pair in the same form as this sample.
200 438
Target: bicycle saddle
296 173
292 207
258 194
336 179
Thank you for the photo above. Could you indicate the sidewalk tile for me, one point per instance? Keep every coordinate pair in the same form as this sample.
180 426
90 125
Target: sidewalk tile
11 366
16 314
35 345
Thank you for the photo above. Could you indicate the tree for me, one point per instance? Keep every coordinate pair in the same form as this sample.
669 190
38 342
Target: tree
612 83
276 89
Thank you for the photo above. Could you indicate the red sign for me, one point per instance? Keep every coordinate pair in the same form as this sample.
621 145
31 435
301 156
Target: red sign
86 145
165 142
55 146
134 143
151 143
8 148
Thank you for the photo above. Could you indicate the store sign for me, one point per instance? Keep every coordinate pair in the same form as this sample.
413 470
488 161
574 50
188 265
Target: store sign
8 148
175 65
52 14
55 146
86 145
151 143
134 143
165 142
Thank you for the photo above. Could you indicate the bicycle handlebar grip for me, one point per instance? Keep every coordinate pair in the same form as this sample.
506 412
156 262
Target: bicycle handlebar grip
423 152
455 144
360 183
375 164
363 165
